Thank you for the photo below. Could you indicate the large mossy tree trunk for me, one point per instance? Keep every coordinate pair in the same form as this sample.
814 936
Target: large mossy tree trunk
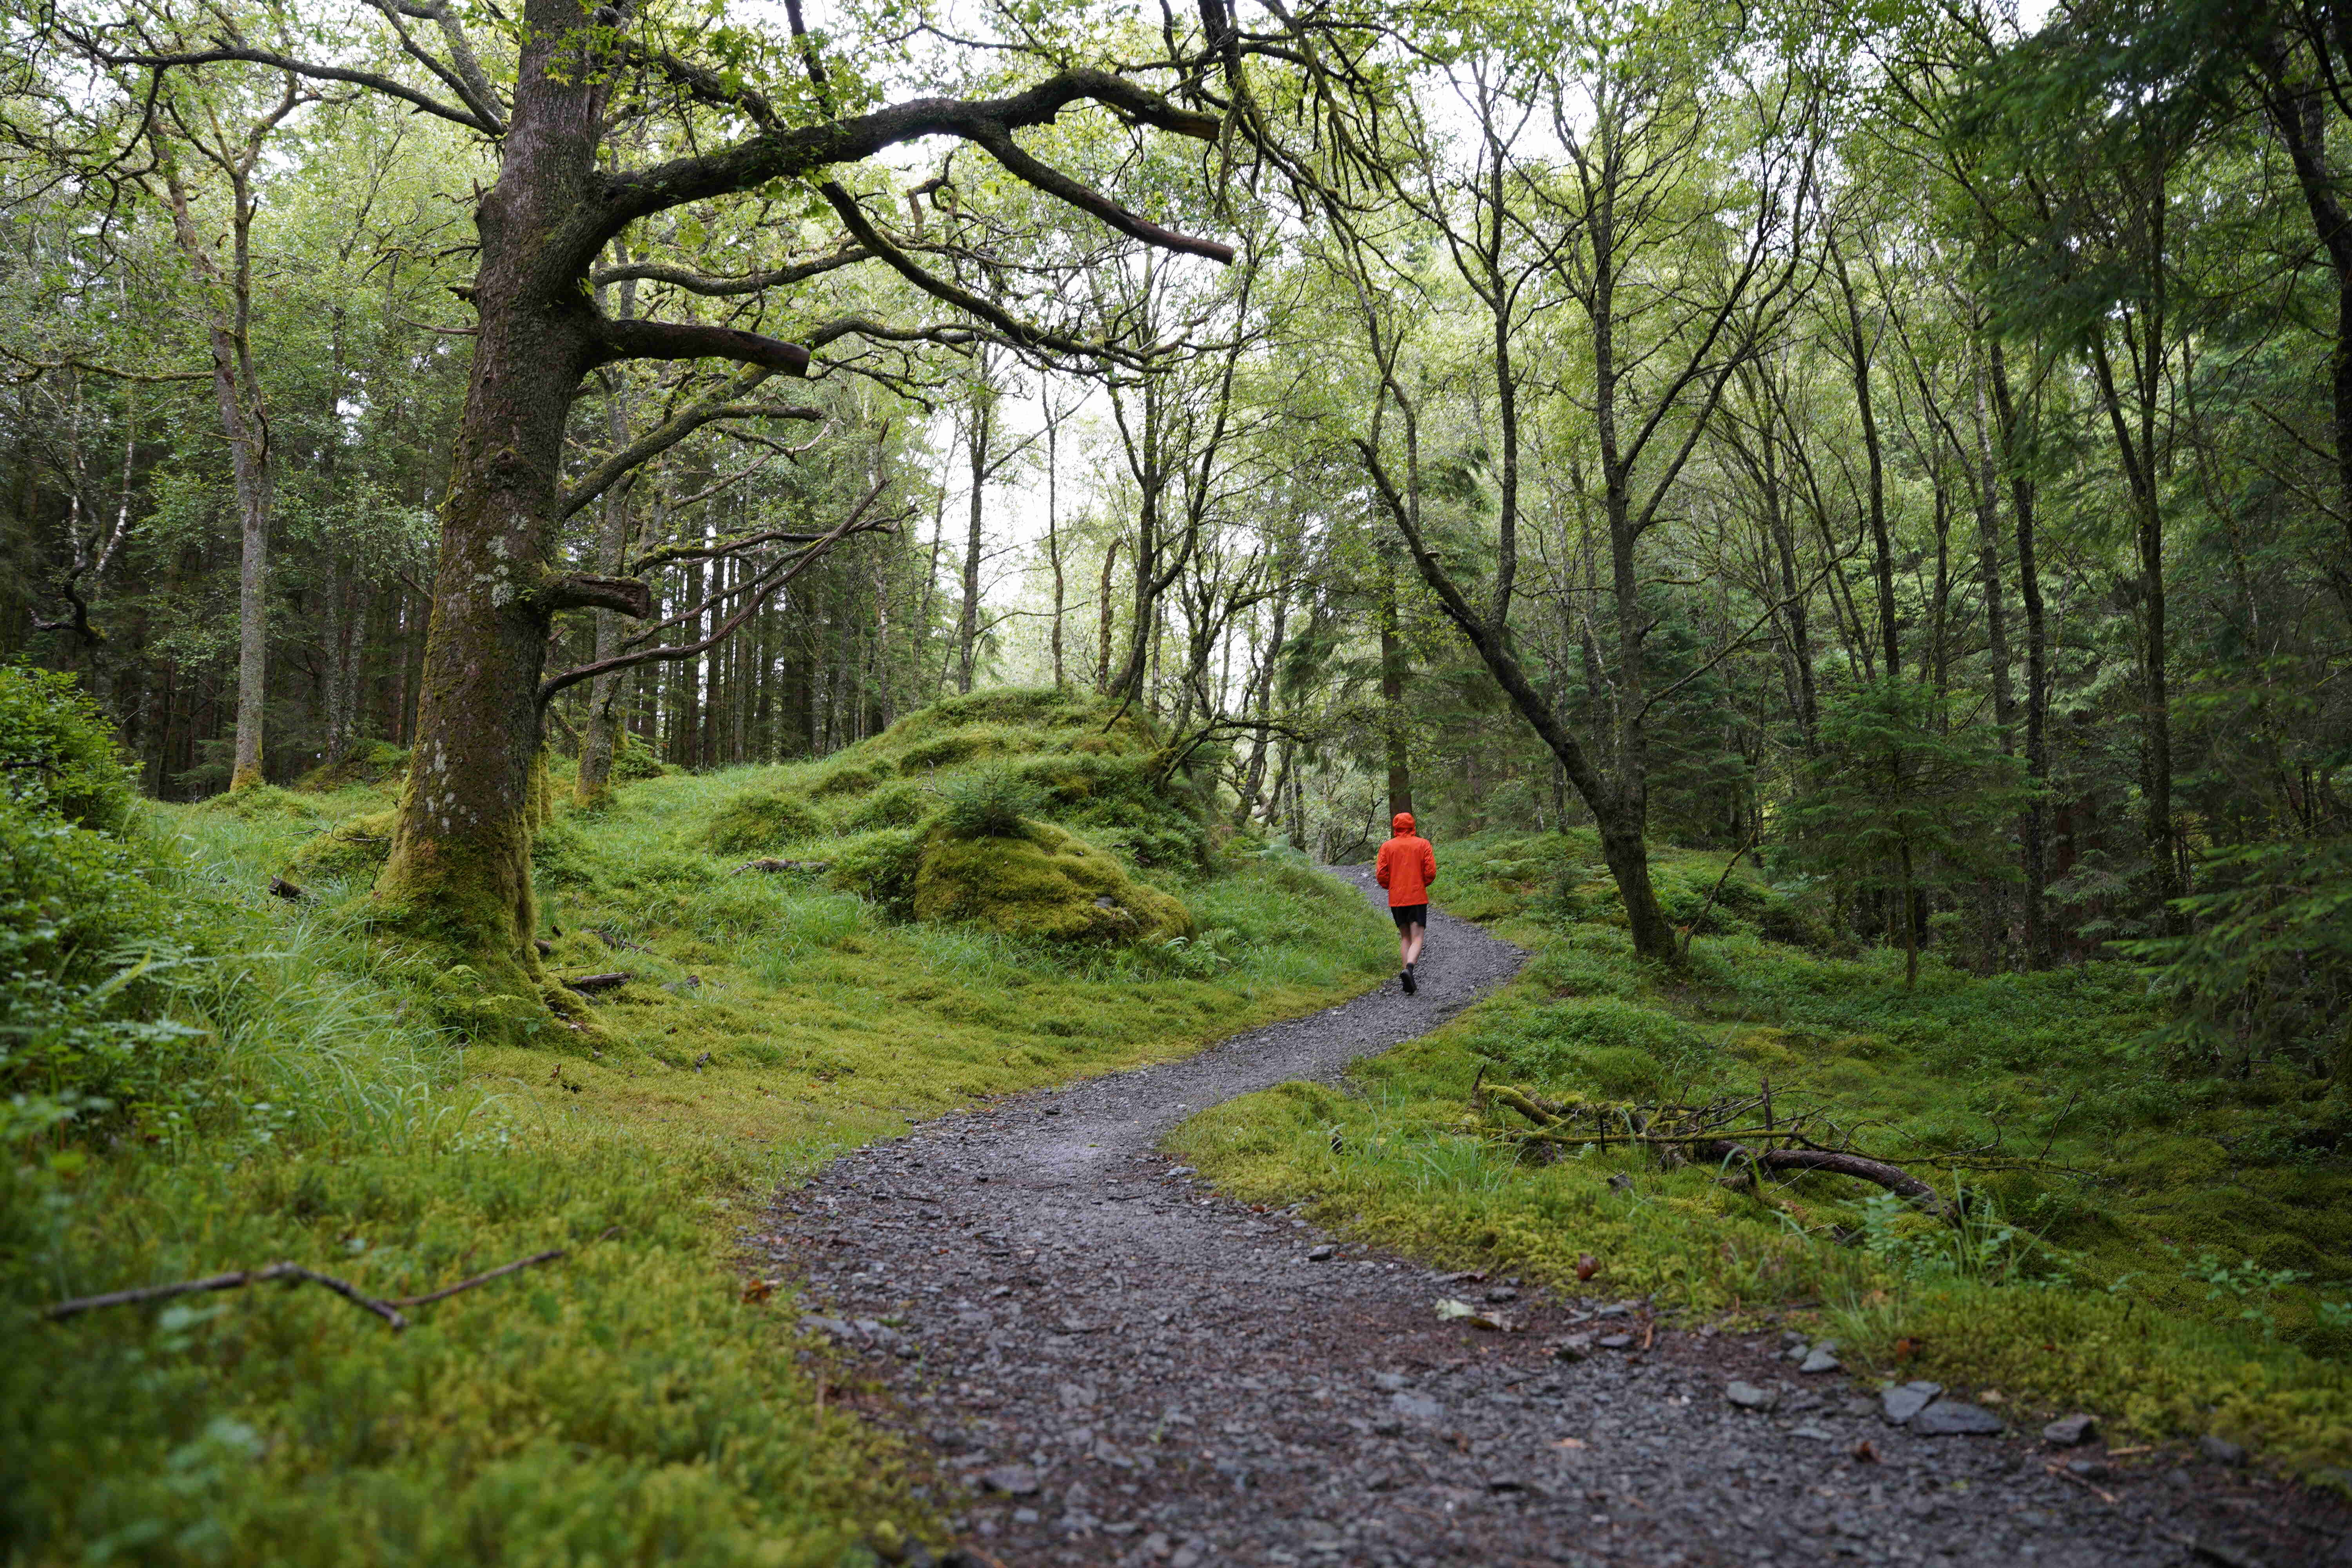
459 872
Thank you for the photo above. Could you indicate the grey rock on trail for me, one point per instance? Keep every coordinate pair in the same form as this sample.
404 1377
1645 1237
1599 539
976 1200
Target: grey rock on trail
1034 1298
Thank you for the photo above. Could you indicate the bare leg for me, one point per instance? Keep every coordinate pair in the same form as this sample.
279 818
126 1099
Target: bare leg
1409 944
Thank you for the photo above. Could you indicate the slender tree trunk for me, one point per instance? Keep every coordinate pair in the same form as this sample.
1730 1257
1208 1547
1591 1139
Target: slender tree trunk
245 423
1395 720
1054 540
1107 617
1800 642
1882 547
968 619
2033 832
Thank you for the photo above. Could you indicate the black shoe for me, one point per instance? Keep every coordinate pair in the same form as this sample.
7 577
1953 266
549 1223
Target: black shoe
1409 988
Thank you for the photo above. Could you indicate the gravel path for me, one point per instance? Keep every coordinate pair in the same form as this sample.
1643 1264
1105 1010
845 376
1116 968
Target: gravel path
1106 1363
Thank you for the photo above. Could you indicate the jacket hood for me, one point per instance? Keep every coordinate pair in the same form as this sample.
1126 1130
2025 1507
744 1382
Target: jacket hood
1400 824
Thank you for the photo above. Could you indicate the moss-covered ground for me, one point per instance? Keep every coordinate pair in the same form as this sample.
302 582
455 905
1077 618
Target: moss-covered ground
2176 1255
639 1400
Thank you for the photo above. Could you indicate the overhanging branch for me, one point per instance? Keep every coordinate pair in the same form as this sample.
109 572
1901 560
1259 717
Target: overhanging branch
728 404
631 339
761 592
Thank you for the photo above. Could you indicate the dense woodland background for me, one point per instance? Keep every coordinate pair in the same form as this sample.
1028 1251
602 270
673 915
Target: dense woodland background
1917 446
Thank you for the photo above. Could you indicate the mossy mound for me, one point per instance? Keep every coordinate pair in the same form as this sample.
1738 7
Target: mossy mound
356 848
759 821
1090 766
1046 883
369 763
633 760
263 802
901 805
848 779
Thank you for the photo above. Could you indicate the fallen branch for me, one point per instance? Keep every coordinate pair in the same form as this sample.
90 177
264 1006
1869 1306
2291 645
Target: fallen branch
1699 1133
590 985
388 1310
342 1288
1894 1179
1712 893
504 1269
770 866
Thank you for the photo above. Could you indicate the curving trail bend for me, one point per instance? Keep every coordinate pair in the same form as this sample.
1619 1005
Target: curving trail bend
1102 1362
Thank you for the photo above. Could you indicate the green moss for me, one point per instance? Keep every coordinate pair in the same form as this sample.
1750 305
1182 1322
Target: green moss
634 760
880 868
892 806
1046 884
369 763
351 849
947 751
848 778
760 822
265 803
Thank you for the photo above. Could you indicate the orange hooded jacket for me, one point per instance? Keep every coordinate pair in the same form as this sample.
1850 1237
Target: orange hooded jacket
1407 865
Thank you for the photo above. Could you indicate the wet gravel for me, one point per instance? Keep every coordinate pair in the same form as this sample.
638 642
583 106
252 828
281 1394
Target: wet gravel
1102 1361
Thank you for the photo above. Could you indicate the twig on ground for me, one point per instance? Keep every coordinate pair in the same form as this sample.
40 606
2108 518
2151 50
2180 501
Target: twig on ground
447 1291
2063 1474
231 1281
388 1310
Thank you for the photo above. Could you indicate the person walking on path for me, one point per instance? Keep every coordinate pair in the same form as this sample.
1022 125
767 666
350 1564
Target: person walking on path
1406 867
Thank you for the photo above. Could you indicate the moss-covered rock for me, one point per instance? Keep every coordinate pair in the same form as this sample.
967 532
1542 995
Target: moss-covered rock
355 848
901 805
1046 883
758 822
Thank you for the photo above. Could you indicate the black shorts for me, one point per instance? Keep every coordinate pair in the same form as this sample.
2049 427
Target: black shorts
1409 915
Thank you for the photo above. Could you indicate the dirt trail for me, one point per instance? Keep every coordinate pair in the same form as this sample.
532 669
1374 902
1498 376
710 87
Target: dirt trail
1109 1363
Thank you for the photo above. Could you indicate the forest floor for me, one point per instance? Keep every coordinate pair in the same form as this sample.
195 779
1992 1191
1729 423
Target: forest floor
1102 1359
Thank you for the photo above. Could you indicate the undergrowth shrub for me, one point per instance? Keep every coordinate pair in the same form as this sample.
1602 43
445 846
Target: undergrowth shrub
57 751
84 941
